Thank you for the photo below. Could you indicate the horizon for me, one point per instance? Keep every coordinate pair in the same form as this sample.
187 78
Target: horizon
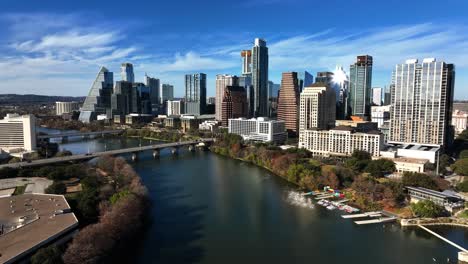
49 50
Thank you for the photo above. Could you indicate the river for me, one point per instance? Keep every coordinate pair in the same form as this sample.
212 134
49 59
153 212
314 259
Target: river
211 209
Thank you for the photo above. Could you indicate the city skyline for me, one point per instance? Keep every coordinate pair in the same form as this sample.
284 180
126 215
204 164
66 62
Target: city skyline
73 48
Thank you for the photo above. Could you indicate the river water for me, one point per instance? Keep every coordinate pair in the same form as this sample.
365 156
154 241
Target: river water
210 209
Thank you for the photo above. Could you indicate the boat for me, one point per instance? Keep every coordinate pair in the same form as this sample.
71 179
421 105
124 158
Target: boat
331 207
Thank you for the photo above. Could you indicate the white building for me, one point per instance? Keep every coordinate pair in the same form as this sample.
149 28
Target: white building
258 129
66 107
377 93
380 114
166 92
317 107
340 141
210 125
18 133
459 121
175 108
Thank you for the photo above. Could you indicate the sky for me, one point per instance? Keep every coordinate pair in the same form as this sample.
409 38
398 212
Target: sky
57 47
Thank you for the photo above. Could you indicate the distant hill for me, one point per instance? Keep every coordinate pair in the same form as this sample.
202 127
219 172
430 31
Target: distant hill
21 99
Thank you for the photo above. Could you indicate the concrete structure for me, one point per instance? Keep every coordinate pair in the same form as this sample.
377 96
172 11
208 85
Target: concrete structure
172 121
258 129
449 202
223 81
175 108
153 85
340 141
409 165
18 133
166 92
66 107
377 93
138 119
32 221
210 125
422 98
234 104
358 126
459 121
195 94
317 107
246 56
98 100
288 102
260 78
126 72
414 151
192 122
360 74
380 114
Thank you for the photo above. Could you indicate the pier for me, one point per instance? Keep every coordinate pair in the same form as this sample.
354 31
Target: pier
376 221
368 214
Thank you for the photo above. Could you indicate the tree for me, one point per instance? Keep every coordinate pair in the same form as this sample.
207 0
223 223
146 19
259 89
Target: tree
461 167
419 180
463 154
463 186
427 208
48 255
380 167
56 188
361 155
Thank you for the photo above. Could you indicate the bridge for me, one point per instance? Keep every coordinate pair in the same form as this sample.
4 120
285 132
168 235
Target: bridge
79 134
134 150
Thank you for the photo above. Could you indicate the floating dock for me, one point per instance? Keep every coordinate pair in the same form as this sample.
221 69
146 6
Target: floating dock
361 215
376 221
324 197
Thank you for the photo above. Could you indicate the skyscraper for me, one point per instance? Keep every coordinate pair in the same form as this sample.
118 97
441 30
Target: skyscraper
122 99
377 95
360 86
222 81
246 81
246 61
305 79
422 100
153 85
341 85
234 104
166 92
126 71
288 100
195 93
98 100
324 78
317 107
260 78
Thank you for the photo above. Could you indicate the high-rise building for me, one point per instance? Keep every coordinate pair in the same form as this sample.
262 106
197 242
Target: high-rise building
324 78
175 107
154 85
66 107
195 94
305 79
422 100
126 71
360 87
317 108
98 100
260 78
387 96
377 93
211 100
223 81
246 82
122 99
288 102
246 61
273 91
18 133
166 92
142 98
234 104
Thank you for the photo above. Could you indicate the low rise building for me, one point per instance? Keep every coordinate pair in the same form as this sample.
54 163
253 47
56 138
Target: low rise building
175 107
192 122
66 107
209 125
358 126
258 129
138 118
414 151
172 121
18 133
449 202
459 121
410 165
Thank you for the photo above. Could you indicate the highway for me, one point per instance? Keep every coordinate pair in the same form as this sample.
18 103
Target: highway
103 153
77 134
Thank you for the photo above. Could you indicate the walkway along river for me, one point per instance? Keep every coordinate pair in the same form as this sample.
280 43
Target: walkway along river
211 209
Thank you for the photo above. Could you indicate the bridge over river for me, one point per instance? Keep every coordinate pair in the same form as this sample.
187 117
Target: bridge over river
134 150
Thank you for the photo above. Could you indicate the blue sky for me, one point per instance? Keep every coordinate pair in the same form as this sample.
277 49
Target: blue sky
57 47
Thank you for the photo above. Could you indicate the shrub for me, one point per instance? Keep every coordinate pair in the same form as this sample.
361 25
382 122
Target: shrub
427 208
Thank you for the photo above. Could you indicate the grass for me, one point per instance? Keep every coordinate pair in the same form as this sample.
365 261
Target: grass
19 190
463 214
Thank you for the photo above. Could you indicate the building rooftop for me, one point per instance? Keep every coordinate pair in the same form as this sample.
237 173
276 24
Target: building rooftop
432 192
30 221
411 160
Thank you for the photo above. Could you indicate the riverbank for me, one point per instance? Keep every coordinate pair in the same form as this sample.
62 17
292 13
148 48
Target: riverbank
447 221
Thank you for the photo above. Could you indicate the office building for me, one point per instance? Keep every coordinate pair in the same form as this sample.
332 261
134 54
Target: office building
340 85
258 129
122 99
126 72
66 107
211 100
246 82
175 107
387 96
223 81
18 133
317 107
234 104
246 61
98 100
422 99
195 94
380 114
360 87
260 107
166 92
142 99
459 121
377 93
153 85
324 78
304 79
288 102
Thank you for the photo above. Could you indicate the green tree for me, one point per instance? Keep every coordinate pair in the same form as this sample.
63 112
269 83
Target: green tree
427 208
48 255
361 155
461 167
380 167
56 188
463 186
419 180
463 154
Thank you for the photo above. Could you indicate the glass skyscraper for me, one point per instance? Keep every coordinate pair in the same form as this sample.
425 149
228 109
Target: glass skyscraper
360 87
98 99
195 94
126 71
260 106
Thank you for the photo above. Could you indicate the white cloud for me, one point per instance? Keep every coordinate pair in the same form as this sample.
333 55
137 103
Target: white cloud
192 61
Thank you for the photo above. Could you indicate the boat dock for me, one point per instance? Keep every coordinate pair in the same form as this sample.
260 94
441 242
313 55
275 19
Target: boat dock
378 217
368 214
324 196
376 221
